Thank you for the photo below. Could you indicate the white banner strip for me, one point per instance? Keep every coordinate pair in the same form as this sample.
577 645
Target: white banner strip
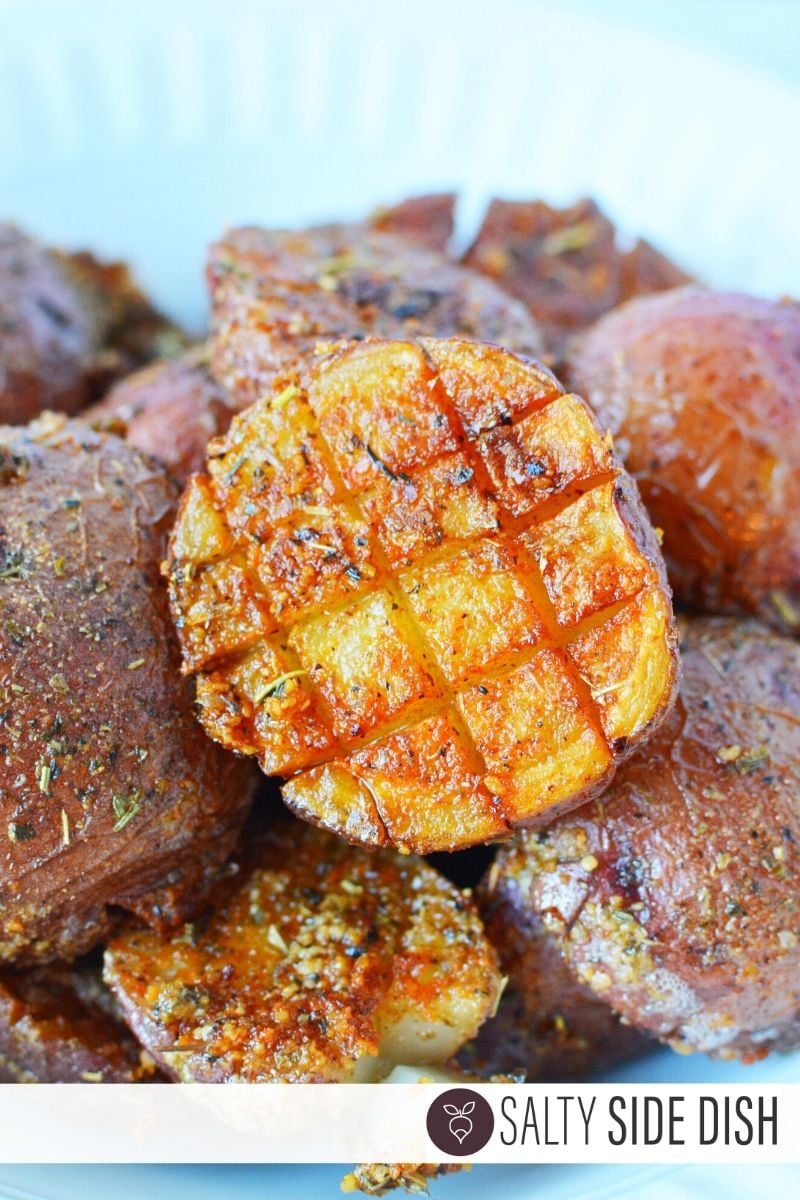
341 1123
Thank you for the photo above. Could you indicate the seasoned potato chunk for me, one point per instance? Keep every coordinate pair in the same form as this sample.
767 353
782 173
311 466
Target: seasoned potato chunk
316 963
673 898
442 646
277 295
566 264
59 1024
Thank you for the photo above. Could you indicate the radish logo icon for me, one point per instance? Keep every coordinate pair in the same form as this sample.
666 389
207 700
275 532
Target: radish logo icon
460 1125
460 1121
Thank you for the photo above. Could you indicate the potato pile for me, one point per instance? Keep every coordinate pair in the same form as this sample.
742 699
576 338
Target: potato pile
412 578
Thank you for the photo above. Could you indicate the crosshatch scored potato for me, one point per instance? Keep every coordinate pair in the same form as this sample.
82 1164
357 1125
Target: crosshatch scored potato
420 588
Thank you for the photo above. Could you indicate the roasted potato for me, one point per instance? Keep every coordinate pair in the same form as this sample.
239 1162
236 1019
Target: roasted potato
170 410
701 390
276 296
316 963
68 325
111 796
418 584
58 1025
548 1024
426 220
566 265
675 896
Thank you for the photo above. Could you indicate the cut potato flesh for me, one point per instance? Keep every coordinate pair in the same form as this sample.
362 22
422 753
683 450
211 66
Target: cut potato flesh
318 963
418 585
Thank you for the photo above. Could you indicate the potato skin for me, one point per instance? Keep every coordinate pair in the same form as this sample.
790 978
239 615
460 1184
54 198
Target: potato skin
68 325
425 220
170 410
58 1024
566 264
701 391
277 295
110 794
548 1024
674 897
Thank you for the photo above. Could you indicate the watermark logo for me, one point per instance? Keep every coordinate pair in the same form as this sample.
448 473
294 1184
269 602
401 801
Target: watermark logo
460 1121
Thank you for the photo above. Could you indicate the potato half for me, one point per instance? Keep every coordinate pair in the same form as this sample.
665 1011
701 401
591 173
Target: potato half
420 587
316 963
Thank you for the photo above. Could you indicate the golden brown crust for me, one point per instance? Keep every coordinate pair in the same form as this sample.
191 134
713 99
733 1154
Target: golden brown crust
170 410
701 389
548 1025
381 604
674 897
276 295
57 1026
566 264
110 794
318 962
68 326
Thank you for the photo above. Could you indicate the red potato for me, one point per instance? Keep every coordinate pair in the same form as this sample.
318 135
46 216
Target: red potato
69 325
674 897
701 391
111 796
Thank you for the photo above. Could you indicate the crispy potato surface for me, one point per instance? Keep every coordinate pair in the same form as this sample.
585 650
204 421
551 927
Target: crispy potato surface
277 295
317 963
68 325
111 796
58 1025
419 585
701 390
675 897
566 264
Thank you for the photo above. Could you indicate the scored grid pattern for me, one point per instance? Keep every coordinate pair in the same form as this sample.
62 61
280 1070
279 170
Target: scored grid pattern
339 475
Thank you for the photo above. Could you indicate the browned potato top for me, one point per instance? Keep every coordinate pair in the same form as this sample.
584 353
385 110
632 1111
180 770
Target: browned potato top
110 793
68 324
56 1026
318 963
701 389
566 264
675 896
275 295
170 409
420 585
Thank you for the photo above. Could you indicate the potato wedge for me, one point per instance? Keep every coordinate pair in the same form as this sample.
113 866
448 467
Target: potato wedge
673 898
424 642
316 963
701 389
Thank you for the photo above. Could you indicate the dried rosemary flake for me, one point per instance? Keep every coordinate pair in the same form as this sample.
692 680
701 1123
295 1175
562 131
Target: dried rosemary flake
58 683
18 831
352 889
66 836
44 773
276 685
285 396
275 939
125 808
137 662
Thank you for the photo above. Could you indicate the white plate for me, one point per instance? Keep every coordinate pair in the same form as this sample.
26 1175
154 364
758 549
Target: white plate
141 129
